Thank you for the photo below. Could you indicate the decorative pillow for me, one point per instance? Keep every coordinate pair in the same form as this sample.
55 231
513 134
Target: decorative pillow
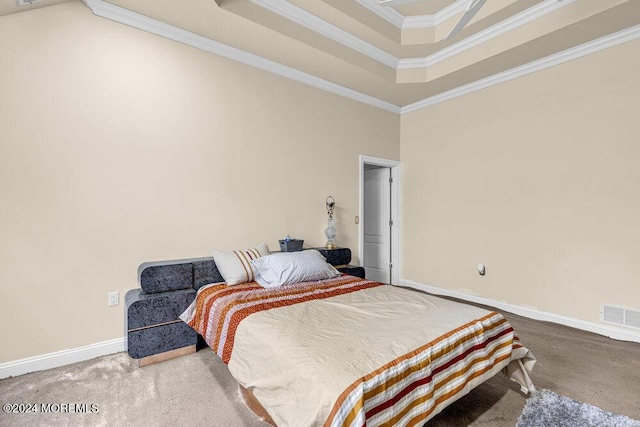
286 268
235 266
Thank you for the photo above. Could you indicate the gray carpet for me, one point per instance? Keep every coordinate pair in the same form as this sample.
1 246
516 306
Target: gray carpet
546 408
192 390
198 390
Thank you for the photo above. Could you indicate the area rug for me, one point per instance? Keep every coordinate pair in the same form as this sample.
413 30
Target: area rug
545 408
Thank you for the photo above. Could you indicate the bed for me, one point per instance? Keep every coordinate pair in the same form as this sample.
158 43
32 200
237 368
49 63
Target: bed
345 351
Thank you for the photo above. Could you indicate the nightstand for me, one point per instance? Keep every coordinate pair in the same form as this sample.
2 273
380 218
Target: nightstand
340 259
154 331
353 270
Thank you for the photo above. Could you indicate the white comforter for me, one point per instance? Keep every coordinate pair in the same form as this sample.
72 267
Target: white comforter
378 353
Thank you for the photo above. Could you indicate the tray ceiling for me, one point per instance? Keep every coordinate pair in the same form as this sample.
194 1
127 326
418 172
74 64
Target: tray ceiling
394 53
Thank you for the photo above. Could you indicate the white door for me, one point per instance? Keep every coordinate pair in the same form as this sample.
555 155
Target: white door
376 219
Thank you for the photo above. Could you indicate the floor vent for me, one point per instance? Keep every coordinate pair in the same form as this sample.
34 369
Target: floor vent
621 316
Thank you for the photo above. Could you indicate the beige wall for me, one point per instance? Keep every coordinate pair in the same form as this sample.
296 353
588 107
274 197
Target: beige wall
538 178
119 147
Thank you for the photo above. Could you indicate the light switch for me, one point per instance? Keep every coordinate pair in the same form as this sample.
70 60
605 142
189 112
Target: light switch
113 298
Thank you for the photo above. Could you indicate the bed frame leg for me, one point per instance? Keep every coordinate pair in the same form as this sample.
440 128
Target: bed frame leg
250 400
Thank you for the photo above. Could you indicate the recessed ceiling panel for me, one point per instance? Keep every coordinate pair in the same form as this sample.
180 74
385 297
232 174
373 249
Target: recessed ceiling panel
358 45
422 7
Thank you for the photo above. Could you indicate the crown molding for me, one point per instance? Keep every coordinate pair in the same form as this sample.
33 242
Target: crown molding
443 15
127 17
522 18
419 21
401 21
392 3
312 22
450 11
389 14
611 40
141 22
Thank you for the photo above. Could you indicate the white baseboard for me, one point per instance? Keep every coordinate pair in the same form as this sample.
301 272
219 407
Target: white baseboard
606 330
79 354
61 358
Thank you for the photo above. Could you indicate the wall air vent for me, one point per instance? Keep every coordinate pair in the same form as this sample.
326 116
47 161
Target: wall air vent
632 318
25 2
620 316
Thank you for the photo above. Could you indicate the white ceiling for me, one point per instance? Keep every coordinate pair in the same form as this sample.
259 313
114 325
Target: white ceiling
390 56
409 8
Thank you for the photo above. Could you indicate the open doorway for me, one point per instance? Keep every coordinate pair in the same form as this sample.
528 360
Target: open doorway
379 219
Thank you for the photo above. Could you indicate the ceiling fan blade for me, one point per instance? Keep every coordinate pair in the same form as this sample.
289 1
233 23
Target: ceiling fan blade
473 8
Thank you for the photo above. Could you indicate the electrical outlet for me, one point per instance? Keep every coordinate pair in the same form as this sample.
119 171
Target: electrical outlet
114 298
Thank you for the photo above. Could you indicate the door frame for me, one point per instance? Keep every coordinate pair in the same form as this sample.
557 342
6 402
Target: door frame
396 211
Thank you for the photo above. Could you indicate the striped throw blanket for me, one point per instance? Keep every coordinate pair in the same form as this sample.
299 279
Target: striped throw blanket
351 352
219 308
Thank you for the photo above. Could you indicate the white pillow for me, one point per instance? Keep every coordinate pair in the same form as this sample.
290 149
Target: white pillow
235 266
286 268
